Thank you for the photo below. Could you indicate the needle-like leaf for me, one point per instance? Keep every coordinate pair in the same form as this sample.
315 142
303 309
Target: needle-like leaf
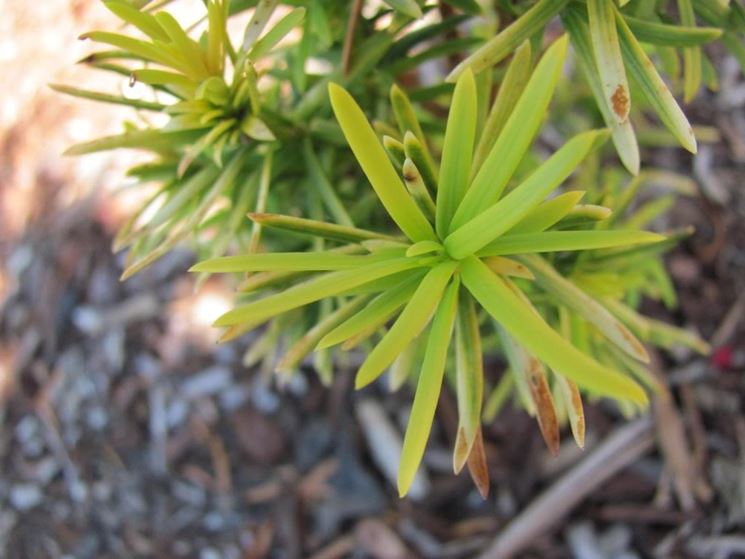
377 167
320 181
395 150
187 191
540 392
415 150
469 380
547 213
468 6
508 267
217 39
143 21
403 110
373 315
428 388
477 466
424 247
573 404
406 7
150 140
405 364
554 241
582 215
259 19
498 397
408 325
403 45
655 331
265 179
323 229
653 87
608 58
622 133
670 35
176 83
510 38
182 48
512 86
584 305
517 135
500 217
107 98
691 54
277 33
517 359
457 151
309 341
432 52
285 261
314 289
418 190
540 339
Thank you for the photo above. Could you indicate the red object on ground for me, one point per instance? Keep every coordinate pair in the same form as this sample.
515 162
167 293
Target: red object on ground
722 357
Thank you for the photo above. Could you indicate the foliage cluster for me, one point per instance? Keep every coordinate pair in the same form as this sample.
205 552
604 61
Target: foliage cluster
473 242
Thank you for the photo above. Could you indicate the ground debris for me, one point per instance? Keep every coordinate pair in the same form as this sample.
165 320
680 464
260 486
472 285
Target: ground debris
126 432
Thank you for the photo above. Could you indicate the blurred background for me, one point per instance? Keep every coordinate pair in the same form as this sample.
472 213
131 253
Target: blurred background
125 431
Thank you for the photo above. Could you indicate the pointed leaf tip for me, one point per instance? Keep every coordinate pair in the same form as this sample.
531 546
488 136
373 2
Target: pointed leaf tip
377 167
428 387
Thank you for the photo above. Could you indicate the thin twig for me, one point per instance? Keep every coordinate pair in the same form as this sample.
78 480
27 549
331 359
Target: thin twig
698 441
673 442
346 53
620 449
674 446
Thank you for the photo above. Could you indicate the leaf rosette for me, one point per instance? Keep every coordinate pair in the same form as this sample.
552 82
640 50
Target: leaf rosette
467 244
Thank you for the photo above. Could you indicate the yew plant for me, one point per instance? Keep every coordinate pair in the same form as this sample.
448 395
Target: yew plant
374 174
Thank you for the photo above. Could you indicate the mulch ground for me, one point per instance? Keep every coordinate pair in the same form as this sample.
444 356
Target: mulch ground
126 432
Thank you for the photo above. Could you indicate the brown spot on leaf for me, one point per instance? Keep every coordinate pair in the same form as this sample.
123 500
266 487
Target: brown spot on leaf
477 466
544 403
620 101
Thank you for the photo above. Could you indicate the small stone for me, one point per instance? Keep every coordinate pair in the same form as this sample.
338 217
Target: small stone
258 436
46 469
114 349
87 319
264 398
27 428
147 366
79 491
234 398
214 521
189 493
298 385
176 413
97 418
101 491
25 496
207 383
210 553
